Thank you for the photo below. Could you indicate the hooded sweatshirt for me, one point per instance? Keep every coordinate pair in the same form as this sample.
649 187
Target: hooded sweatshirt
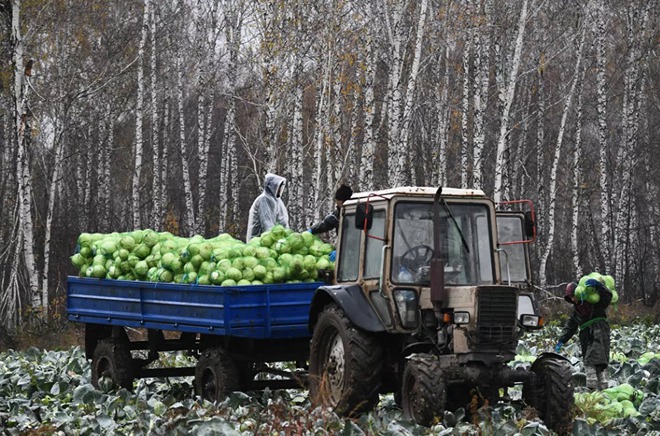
268 208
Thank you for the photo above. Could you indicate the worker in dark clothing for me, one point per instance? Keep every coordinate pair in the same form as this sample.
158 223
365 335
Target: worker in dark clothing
331 221
591 321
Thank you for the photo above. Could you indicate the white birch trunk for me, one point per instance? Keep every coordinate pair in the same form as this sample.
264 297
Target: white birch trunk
465 105
397 37
296 204
625 214
366 181
606 220
547 249
23 175
481 84
334 163
440 155
53 190
106 158
156 181
404 155
165 159
506 110
320 139
577 179
185 171
139 145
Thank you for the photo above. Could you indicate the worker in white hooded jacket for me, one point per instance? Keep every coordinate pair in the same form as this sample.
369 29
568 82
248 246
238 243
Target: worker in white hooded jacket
268 209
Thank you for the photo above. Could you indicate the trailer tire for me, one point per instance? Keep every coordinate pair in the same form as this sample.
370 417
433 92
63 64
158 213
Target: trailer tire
216 375
345 364
423 390
113 360
551 394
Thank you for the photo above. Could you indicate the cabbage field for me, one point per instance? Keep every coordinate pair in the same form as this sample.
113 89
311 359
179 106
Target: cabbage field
49 392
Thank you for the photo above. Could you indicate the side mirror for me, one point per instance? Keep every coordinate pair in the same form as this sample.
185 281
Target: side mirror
530 225
364 216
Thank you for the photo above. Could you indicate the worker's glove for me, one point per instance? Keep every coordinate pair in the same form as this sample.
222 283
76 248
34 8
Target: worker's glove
593 283
333 255
309 230
558 346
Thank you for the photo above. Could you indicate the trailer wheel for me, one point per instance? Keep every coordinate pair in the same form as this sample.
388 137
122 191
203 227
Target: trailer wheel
345 364
112 360
551 394
216 375
423 391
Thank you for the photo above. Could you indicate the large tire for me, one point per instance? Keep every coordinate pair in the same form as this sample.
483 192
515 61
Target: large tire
113 360
552 392
423 390
345 365
216 375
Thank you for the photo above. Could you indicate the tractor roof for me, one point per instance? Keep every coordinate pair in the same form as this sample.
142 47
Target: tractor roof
416 191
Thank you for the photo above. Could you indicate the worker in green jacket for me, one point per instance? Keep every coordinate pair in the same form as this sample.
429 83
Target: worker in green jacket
590 319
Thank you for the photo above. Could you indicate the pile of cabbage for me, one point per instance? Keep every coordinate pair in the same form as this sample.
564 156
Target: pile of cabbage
616 402
276 256
589 293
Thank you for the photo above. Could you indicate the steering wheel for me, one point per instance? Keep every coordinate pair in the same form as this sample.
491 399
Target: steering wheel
417 257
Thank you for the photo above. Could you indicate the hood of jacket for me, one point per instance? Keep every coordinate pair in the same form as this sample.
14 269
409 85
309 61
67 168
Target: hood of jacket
272 183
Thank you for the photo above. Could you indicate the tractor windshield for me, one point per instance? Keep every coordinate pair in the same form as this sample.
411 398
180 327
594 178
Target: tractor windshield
465 243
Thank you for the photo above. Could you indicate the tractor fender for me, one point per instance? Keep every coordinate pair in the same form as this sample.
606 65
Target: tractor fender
351 300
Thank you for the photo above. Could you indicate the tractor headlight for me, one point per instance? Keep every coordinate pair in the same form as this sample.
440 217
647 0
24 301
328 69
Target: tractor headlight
461 317
532 321
408 307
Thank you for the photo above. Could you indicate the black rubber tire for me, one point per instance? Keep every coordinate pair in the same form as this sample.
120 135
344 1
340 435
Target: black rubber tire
423 390
113 360
345 365
552 393
216 375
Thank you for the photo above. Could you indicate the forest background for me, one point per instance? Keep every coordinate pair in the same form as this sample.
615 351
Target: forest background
167 115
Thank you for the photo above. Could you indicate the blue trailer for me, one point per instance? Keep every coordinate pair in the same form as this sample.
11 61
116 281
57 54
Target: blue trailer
233 331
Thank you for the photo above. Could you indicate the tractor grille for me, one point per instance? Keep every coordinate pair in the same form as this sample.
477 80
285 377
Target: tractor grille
496 322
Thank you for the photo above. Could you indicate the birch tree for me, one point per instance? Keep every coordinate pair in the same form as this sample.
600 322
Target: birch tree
21 73
139 146
156 180
601 91
189 223
547 249
506 100
481 64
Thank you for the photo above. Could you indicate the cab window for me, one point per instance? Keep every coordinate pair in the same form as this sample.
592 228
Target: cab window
372 259
349 256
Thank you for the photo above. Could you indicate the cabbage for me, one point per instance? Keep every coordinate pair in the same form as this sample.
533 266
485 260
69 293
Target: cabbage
150 238
86 252
127 242
249 250
142 250
234 274
78 260
243 282
85 240
206 250
217 277
259 271
141 269
224 265
228 282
